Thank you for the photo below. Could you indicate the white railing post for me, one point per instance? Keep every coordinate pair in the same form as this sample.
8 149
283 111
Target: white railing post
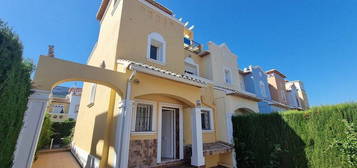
197 158
123 131
30 132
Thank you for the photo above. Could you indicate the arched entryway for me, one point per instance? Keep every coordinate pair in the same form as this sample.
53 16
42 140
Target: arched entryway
240 110
243 111
49 73
135 83
157 128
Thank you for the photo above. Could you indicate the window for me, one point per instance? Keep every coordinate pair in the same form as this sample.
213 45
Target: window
228 76
190 69
58 108
156 48
76 109
262 89
206 120
187 41
92 95
190 66
154 52
143 119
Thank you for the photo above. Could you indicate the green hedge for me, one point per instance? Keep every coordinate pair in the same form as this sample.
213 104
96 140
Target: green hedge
15 85
46 133
296 139
63 132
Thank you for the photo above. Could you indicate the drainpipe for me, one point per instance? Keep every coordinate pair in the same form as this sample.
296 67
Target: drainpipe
125 126
128 87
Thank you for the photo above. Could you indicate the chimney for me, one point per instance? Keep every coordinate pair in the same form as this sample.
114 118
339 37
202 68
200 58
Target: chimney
51 51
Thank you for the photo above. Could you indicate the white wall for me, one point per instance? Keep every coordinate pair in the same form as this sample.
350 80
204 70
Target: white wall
74 101
221 58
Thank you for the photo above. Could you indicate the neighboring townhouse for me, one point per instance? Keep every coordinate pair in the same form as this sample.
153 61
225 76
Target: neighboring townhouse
230 97
58 109
64 103
292 95
74 98
301 93
276 93
277 89
256 82
178 101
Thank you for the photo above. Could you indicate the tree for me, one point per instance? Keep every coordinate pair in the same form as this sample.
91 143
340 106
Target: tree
15 85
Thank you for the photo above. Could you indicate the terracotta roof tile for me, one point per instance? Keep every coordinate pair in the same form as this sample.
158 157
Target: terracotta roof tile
176 75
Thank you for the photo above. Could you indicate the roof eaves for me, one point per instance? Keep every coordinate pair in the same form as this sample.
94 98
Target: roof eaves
148 69
244 95
102 8
277 72
161 7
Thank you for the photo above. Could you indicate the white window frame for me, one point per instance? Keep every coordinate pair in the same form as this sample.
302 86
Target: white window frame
230 75
159 132
154 117
211 119
60 107
92 95
262 89
158 38
190 61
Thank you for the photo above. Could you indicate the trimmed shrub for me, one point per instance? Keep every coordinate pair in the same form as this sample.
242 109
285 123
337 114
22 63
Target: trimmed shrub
296 139
63 132
46 133
15 85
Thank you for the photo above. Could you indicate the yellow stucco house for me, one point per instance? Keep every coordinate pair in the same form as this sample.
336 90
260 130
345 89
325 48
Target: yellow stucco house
58 109
178 99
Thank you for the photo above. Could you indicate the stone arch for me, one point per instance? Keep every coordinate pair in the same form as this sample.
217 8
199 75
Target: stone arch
185 101
243 111
49 73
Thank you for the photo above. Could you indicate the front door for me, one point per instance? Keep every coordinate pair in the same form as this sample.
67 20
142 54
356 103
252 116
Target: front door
168 134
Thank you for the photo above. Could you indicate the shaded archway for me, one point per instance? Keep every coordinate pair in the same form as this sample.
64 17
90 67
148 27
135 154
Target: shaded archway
159 105
183 101
243 111
49 73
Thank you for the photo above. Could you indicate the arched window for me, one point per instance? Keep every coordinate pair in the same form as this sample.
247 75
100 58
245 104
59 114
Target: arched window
262 89
191 67
156 49
227 76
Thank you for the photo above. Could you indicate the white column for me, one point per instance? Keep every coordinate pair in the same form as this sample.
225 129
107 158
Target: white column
197 158
30 132
123 131
230 139
229 116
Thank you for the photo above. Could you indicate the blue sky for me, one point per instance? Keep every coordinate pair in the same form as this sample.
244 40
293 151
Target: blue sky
311 40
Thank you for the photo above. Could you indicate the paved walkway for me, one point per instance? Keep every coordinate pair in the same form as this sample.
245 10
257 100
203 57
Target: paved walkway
62 159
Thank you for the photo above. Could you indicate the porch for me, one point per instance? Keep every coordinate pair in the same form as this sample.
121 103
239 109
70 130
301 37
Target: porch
56 159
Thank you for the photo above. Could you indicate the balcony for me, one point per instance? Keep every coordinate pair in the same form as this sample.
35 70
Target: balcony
192 45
